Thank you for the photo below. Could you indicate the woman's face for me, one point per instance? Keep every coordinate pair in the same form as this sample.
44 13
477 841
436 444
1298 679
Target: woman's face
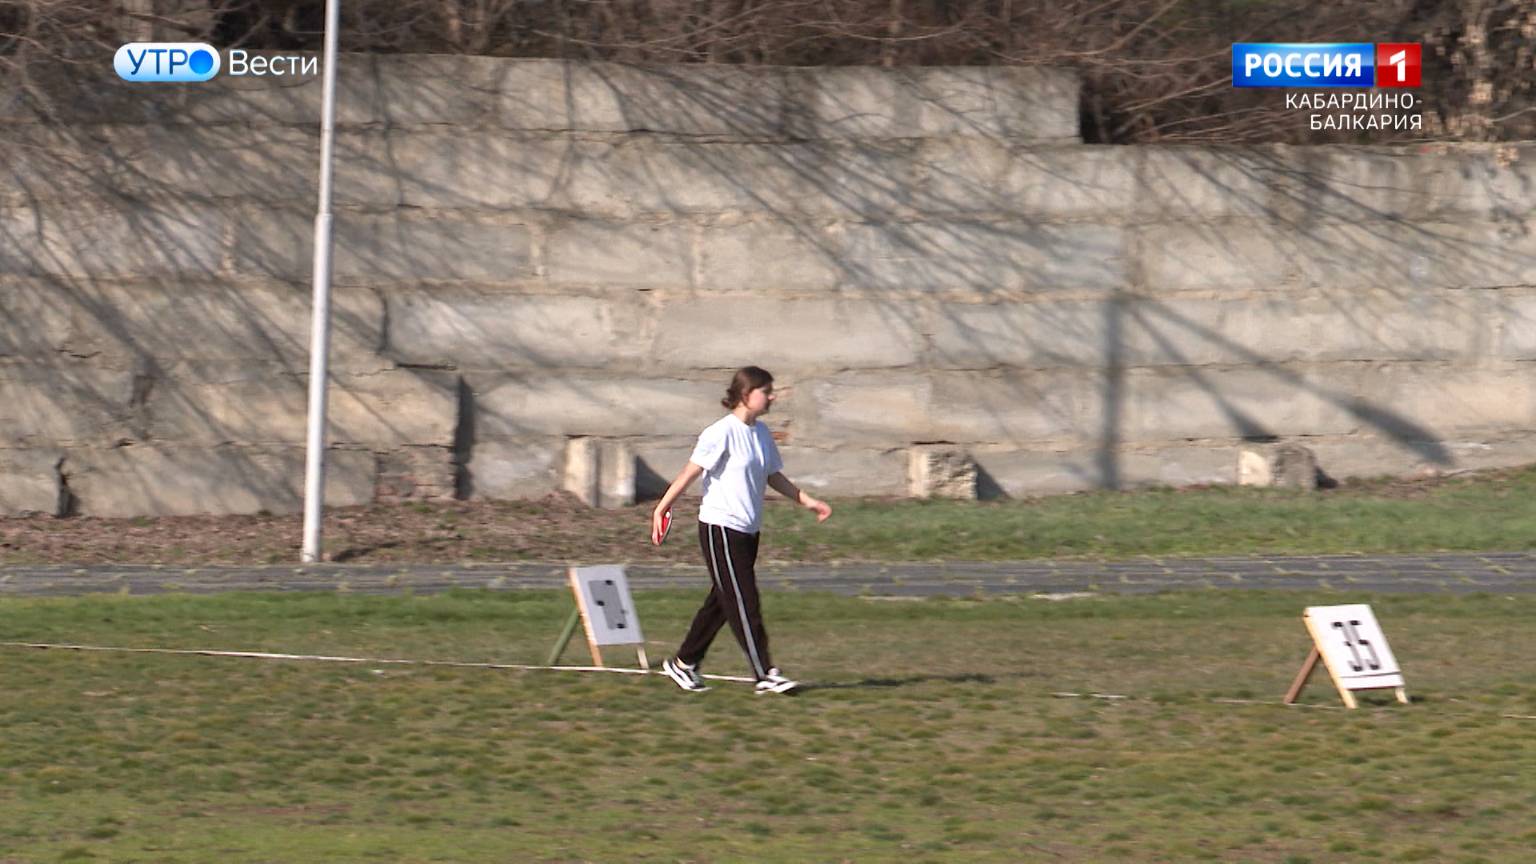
759 399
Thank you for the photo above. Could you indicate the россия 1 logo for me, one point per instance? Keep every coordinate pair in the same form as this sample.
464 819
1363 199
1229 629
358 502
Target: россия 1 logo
1341 64
1379 71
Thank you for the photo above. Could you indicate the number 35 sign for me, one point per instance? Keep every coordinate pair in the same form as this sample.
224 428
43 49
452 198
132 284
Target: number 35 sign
1350 643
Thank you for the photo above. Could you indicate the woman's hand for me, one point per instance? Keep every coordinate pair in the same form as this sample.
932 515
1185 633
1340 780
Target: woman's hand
660 520
822 508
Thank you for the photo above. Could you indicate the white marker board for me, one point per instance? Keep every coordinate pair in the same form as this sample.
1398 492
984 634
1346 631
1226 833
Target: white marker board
1353 646
607 610
1350 643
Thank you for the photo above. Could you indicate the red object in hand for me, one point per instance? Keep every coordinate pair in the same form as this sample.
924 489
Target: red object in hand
666 525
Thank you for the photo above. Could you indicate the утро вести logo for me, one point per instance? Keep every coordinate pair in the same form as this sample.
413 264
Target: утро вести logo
166 61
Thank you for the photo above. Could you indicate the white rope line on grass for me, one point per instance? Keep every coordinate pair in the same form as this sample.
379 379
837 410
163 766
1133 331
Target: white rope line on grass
325 658
464 664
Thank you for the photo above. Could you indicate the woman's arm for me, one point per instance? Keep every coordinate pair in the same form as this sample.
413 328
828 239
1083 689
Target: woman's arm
685 478
781 484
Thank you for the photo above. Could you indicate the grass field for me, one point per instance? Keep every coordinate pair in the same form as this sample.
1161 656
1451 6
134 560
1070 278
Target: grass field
930 734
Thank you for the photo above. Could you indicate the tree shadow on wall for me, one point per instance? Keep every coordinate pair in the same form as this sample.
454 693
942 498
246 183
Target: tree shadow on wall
1026 295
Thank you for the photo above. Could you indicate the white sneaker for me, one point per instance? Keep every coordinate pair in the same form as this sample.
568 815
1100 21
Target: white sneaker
687 677
775 682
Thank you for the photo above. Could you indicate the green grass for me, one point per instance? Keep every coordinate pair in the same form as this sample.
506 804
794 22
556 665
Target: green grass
933 735
1475 513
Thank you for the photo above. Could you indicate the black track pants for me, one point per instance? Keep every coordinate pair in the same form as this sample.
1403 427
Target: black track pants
730 556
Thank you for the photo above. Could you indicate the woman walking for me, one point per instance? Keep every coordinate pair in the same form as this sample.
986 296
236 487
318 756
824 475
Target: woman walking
737 458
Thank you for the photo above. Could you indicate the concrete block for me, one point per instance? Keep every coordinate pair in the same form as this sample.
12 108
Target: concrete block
582 475
609 255
1406 402
881 409
1493 182
449 168
144 480
441 89
1431 402
214 403
940 471
768 257
1032 103
164 238
1373 324
1025 474
29 481
1441 181
1384 456
1017 102
600 473
1515 314
983 257
516 469
1400 256
523 404
1495 254
1028 335
1295 467
616 475
1384 255
1238 256
894 409
623 178
171 320
1287 465
457 168
38 318
861 180
415 473
850 102
395 247
657 461
990 176
1014 406
846 471
724 332
1368 183
64 404
1181 466
1242 402
379 168
614 97
482 330
1202 183
1253 468
71 164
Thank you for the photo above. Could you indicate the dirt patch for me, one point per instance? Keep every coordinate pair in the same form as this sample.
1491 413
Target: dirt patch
555 528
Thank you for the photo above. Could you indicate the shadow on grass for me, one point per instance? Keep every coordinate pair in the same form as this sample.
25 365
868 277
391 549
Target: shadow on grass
904 681
355 552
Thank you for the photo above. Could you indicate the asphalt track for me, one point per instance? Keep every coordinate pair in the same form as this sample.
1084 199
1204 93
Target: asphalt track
1449 573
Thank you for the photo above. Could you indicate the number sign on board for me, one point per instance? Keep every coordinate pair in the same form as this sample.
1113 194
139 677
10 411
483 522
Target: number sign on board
1352 647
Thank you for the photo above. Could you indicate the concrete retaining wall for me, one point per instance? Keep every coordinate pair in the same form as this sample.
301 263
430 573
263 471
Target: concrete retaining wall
529 252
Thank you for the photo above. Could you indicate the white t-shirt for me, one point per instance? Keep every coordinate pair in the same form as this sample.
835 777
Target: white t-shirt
737 460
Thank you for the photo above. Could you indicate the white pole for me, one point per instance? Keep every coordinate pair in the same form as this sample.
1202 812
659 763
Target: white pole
320 330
